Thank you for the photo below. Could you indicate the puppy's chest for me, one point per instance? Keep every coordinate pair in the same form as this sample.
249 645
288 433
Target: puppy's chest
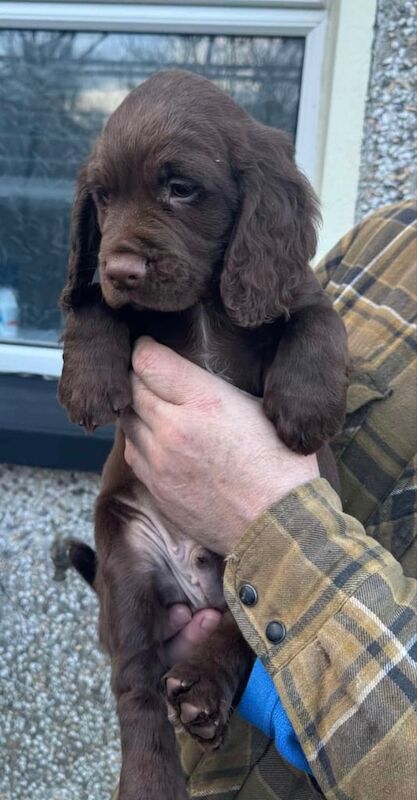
205 335
223 349
208 351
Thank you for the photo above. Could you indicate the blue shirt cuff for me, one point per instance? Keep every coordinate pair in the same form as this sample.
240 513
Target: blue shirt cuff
261 706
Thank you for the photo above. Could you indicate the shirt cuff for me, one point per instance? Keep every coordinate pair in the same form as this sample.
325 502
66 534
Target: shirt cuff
261 705
294 568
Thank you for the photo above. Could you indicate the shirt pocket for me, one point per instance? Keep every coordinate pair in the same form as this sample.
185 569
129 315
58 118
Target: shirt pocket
360 478
364 390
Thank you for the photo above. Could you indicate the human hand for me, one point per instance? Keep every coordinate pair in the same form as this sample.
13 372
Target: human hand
205 450
183 631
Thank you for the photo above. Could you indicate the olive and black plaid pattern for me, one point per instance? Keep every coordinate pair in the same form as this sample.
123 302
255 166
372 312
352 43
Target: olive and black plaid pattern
346 669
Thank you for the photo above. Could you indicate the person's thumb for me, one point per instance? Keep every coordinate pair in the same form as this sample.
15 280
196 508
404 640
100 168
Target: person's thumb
168 375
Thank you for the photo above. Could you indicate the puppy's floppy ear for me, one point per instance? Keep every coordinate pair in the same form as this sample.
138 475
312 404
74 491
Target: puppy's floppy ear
84 244
274 236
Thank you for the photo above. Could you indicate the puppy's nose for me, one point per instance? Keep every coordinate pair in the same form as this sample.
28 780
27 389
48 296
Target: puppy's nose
125 271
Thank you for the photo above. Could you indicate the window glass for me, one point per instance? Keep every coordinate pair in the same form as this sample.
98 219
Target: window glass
56 91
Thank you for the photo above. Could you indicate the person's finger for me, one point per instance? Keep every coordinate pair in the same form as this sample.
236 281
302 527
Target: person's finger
138 443
199 628
168 375
136 461
147 405
135 428
178 616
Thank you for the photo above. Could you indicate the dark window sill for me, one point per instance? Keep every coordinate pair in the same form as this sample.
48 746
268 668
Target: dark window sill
35 430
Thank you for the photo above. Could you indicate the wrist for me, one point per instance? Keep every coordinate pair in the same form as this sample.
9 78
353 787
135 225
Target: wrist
293 554
264 486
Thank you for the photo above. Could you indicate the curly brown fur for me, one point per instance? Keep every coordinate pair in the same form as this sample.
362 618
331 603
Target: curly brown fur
201 228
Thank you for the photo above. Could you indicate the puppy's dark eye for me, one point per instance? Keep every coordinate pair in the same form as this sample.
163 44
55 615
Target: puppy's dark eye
102 197
181 190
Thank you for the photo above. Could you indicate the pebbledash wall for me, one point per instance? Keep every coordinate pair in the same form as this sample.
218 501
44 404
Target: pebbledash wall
388 169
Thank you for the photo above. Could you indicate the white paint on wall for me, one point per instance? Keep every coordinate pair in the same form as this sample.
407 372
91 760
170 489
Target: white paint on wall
345 82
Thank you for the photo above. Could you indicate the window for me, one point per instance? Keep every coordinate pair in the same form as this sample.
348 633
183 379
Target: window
58 88
64 67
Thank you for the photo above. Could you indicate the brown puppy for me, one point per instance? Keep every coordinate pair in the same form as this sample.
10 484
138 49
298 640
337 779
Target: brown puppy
201 228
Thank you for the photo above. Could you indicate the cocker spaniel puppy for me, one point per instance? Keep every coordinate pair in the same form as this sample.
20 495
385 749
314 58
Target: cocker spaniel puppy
201 229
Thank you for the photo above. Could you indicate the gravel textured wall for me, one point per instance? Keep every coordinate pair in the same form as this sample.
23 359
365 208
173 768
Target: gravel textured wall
389 155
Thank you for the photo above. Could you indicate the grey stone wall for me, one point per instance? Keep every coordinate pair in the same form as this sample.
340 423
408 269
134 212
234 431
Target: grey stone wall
389 153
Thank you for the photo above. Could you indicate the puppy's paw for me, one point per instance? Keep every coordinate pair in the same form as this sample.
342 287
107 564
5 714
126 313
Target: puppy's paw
303 423
96 396
199 702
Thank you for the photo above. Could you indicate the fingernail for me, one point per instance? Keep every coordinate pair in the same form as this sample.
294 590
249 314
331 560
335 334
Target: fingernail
209 624
181 615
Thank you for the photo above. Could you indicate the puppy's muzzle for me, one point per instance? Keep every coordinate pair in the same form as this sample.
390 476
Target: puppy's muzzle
125 271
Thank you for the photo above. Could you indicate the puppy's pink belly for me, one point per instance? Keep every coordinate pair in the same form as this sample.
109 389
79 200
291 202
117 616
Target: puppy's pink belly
184 572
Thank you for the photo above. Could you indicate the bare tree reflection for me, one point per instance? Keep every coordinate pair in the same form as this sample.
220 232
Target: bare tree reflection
56 91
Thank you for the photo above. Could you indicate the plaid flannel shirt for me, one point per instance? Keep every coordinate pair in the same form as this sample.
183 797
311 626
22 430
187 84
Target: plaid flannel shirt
346 670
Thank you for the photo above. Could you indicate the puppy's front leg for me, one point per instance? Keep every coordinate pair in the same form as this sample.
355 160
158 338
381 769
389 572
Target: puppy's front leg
306 384
130 614
95 384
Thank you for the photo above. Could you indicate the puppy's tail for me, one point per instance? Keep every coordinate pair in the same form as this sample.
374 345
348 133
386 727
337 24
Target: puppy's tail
66 553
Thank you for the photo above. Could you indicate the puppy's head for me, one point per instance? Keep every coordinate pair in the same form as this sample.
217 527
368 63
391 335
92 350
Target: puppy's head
185 194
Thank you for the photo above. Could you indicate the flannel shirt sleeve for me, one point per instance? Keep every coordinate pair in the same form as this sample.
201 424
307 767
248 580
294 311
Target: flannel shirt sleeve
345 670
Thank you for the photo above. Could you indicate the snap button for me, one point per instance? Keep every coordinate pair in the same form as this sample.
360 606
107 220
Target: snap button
275 631
248 594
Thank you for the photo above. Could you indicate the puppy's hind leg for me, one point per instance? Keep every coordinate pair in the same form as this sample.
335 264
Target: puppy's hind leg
67 553
131 614
203 690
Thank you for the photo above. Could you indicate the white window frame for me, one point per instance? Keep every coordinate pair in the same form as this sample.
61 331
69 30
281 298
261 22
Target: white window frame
318 128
